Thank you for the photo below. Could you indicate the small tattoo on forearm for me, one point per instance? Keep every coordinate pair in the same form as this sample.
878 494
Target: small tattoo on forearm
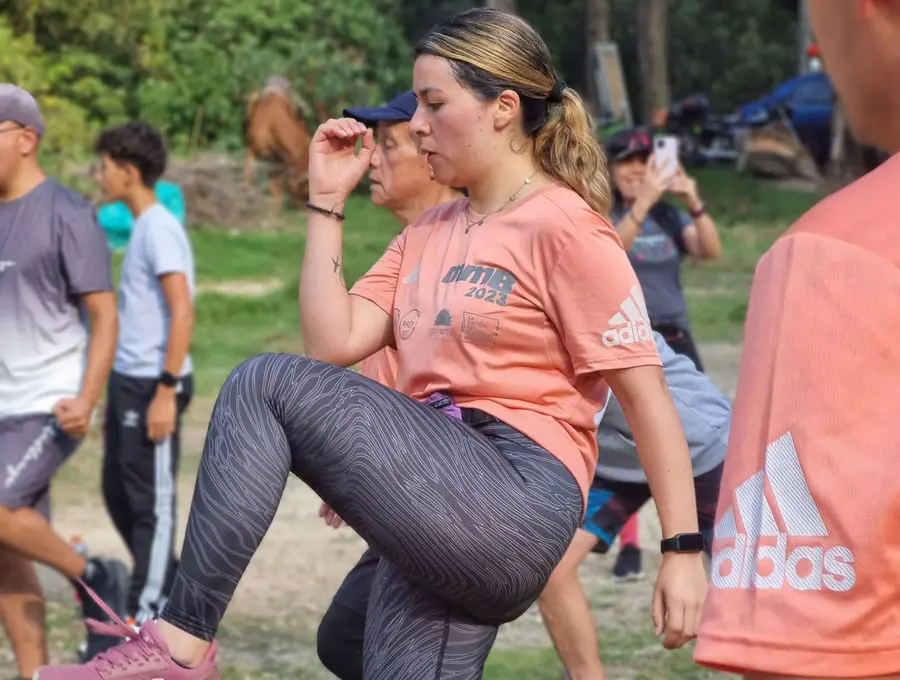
338 269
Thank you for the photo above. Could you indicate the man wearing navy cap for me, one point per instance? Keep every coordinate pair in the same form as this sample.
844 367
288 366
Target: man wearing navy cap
399 110
54 265
400 180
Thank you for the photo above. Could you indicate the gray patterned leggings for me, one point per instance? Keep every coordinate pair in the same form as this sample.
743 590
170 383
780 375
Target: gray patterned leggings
470 516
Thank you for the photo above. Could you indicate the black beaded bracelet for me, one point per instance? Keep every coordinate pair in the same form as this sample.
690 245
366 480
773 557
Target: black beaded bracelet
325 211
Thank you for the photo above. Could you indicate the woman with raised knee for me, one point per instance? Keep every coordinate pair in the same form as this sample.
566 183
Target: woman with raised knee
470 480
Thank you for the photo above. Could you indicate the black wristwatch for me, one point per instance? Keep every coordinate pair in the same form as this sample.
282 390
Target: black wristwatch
168 379
682 543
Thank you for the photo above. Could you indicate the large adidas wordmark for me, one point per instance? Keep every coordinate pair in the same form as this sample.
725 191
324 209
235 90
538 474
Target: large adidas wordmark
630 325
754 563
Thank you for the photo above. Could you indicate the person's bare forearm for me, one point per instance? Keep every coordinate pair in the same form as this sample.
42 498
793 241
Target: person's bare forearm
662 449
104 333
630 225
325 316
709 245
181 327
708 236
664 455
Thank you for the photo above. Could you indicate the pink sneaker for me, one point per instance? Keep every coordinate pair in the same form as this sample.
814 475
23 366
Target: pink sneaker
143 655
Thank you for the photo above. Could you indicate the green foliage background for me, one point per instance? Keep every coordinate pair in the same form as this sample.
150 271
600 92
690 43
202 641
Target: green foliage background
187 66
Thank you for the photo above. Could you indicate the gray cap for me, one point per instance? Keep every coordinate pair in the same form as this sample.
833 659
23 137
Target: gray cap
18 106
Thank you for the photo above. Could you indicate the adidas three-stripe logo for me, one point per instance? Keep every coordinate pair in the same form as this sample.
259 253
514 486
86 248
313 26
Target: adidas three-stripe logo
758 555
630 325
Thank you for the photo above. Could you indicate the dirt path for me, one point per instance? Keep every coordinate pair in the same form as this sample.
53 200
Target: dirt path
301 562
241 288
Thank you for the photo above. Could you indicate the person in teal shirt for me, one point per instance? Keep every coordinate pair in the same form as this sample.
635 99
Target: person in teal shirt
117 221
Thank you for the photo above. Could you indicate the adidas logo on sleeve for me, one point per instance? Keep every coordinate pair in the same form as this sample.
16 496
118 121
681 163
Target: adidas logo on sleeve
630 325
749 562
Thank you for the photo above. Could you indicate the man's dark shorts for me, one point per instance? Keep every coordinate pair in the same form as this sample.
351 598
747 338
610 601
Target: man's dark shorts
611 504
32 449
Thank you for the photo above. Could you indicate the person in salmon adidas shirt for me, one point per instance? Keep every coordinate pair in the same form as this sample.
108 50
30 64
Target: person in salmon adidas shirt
805 579
513 313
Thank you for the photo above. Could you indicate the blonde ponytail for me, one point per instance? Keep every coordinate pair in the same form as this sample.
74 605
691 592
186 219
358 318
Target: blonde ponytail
565 149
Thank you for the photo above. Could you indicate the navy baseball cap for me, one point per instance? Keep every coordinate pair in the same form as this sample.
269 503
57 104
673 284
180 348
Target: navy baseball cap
399 109
629 142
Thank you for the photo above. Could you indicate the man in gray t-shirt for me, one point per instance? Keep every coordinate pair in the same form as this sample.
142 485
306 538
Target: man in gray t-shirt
151 383
54 272
620 489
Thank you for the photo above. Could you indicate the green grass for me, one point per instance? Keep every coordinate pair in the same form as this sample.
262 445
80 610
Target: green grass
750 215
734 198
632 654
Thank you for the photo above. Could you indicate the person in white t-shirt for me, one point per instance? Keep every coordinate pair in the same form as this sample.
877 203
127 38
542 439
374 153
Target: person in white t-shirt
151 383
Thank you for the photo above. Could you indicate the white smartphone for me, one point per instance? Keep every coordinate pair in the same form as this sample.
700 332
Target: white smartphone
665 154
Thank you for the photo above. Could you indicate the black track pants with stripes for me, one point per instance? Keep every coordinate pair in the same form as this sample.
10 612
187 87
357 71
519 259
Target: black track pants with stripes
140 479
469 517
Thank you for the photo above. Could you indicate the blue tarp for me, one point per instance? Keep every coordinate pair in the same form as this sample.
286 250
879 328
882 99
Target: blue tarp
117 222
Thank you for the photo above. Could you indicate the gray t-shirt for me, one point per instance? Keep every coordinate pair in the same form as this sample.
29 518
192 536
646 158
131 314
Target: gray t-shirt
159 245
52 251
656 256
705 416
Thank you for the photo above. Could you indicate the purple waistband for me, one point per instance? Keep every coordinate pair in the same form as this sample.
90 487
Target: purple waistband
445 404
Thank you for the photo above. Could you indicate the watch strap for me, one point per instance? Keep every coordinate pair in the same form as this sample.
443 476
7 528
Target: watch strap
683 543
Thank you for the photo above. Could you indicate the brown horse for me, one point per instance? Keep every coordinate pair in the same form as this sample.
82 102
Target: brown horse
274 133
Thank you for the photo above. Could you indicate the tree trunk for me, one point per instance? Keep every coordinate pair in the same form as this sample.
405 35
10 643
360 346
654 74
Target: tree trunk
597 29
804 37
652 23
505 5
838 154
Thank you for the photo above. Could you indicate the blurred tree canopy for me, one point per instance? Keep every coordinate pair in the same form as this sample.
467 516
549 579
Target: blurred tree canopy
188 66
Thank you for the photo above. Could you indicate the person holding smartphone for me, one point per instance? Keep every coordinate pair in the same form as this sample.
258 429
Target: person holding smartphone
658 236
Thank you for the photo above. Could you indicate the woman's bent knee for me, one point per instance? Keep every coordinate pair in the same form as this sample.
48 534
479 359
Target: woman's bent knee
273 377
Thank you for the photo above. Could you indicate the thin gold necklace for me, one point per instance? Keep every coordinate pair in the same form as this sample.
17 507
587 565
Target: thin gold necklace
515 194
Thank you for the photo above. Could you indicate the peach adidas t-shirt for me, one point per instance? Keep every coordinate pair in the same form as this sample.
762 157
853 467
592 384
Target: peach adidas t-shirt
806 553
518 317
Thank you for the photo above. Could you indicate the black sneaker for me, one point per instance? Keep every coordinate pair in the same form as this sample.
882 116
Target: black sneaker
628 564
109 580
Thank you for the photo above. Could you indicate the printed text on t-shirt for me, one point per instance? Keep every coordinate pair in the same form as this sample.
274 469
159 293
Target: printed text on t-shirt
491 283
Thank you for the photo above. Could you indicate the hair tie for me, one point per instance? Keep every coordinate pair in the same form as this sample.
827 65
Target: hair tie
556 93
